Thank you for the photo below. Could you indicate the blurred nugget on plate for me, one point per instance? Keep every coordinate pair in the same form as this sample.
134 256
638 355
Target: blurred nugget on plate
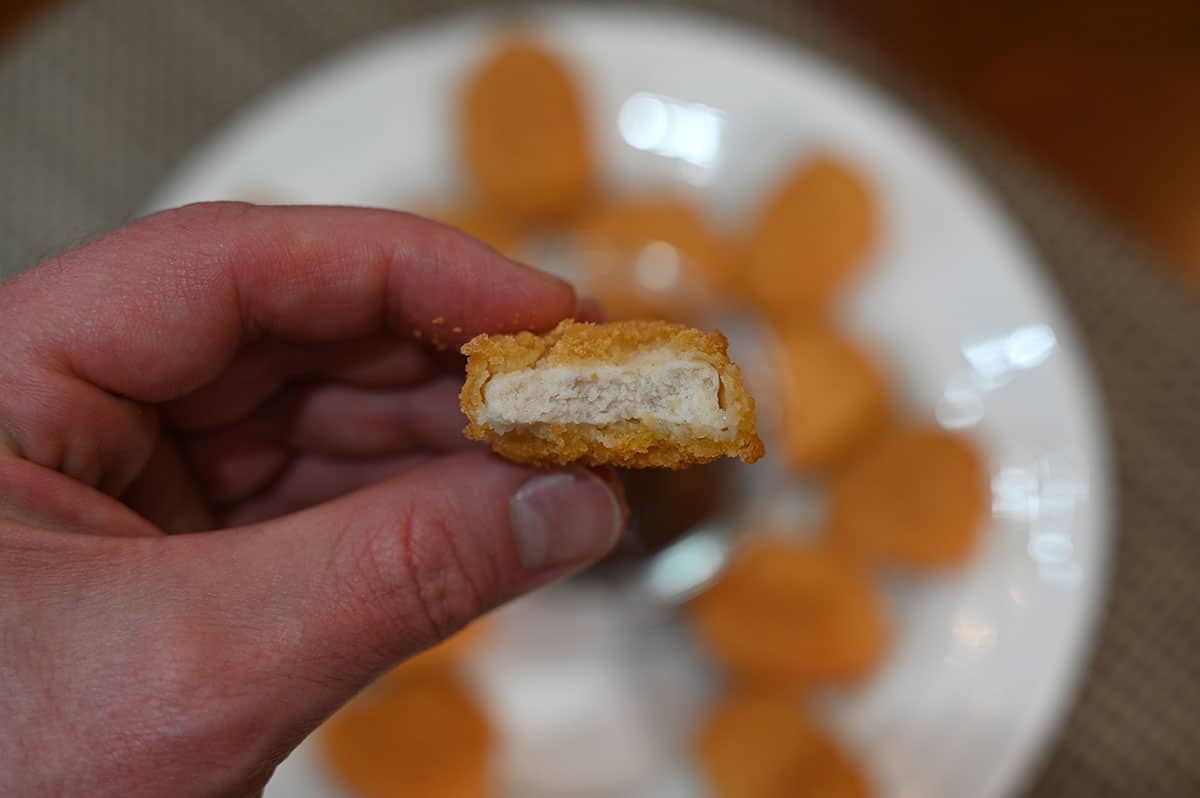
525 141
636 394
759 744
793 613
915 499
814 233
420 736
652 257
833 397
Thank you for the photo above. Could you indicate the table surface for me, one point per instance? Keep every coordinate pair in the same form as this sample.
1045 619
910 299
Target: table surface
1105 92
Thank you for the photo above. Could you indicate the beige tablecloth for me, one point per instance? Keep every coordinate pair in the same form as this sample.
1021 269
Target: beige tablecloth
100 99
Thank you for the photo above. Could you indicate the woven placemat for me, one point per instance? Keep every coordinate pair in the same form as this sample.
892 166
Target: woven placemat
100 100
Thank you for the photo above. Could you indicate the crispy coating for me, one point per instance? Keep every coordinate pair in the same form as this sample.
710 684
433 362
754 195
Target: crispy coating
917 498
834 397
524 130
634 281
760 744
630 443
811 237
424 736
795 614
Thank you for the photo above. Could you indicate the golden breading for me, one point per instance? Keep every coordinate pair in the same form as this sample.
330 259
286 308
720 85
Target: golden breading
834 398
811 237
917 498
760 744
789 613
637 394
525 139
426 736
653 257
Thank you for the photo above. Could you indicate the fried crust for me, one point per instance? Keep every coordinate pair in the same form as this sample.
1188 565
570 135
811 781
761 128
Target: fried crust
798 614
813 236
627 444
400 739
615 237
760 744
525 138
917 498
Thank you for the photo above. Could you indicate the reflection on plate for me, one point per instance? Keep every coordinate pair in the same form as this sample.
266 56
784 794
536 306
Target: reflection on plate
590 687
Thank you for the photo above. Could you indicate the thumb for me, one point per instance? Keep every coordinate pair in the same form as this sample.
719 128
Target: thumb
314 605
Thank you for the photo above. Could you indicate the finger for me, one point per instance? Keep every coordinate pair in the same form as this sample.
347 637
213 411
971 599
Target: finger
236 463
62 423
310 607
158 309
339 419
328 419
311 479
166 495
260 370
36 496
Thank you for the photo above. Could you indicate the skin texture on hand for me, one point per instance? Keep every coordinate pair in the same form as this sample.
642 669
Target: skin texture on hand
284 382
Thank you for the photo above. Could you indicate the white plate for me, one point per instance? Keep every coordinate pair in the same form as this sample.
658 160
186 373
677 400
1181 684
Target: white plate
985 663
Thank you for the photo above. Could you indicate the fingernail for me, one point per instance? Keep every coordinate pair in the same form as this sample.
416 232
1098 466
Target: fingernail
564 518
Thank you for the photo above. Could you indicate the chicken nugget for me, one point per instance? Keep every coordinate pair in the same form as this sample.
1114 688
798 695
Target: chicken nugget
793 613
811 237
525 138
834 398
653 257
917 498
429 738
761 745
634 393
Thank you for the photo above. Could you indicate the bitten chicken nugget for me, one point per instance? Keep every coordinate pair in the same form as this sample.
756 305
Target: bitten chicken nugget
485 223
429 738
833 397
793 613
525 140
761 745
633 393
653 257
917 498
811 237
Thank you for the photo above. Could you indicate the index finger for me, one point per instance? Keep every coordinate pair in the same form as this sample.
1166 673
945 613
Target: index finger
159 308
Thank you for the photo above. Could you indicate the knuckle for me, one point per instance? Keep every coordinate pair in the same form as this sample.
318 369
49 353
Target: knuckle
416 566
95 438
33 425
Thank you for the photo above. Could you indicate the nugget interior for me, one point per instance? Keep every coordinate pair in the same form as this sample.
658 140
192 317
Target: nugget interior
658 388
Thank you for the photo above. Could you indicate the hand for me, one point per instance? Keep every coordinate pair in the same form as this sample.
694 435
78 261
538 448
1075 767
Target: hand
288 374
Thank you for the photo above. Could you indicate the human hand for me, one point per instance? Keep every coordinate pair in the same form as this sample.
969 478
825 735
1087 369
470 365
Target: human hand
272 374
